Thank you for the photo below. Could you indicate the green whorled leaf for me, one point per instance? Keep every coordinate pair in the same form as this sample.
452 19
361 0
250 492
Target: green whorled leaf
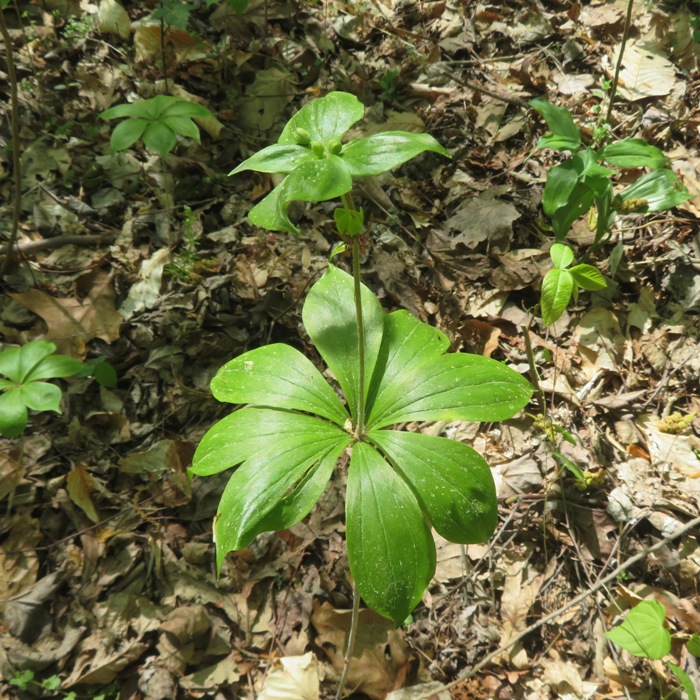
642 632
183 126
262 482
160 105
243 433
127 133
693 645
661 190
54 367
562 256
137 109
390 548
276 159
384 151
565 134
633 153
329 318
10 365
13 413
324 119
6 384
159 137
266 214
578 204
452 481
41 396
182 108
685 680
278 376
30 355
557 288
296 505
312 181
414 380
588 277
561 181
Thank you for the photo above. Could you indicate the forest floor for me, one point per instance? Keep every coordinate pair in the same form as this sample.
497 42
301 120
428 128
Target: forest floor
107 576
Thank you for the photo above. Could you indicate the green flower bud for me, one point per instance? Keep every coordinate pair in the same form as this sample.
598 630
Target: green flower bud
302 137
319 149
335 147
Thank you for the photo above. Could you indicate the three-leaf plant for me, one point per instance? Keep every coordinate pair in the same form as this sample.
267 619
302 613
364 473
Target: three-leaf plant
562 282
643 634
158 121
581 182
21 384
391 368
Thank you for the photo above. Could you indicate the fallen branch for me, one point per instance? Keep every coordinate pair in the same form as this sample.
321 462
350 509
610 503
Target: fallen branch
578 599
49 243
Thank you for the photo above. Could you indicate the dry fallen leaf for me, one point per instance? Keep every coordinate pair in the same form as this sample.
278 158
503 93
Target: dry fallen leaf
72 321
293 678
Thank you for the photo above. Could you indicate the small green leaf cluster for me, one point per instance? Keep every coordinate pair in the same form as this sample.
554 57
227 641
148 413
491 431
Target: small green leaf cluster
158 121
643 634
316 163
23 388
26 680
562 282
294 430
176 13
581 182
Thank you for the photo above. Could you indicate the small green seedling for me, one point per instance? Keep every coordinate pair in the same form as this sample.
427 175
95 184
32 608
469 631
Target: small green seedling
22 387
643 634
158 121
392 370
581 182
563 282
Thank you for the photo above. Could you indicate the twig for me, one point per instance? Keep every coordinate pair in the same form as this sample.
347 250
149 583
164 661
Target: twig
600 583
625 35
48 243
16 167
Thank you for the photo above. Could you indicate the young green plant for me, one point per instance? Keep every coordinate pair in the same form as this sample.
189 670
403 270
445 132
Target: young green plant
643 634
581 182
391 369
22 386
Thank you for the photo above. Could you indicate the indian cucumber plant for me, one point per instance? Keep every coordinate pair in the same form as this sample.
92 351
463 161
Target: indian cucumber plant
391 369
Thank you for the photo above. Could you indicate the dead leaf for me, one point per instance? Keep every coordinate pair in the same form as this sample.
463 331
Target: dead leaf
72 321
380 651
80 484
483 218
293 678
644 73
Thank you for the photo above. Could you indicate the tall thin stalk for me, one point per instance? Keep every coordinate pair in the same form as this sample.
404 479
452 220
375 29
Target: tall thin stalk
616 77
351 640
14 130
360 427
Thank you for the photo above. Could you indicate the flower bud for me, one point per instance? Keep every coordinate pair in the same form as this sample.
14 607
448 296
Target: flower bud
318 148
335 147
302 137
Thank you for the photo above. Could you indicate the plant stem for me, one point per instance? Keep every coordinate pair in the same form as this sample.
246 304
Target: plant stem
14 130
625 34
351 640
360 427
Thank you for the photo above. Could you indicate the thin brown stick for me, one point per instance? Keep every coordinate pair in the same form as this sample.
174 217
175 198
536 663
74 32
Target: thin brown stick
616 77
578 599
14 126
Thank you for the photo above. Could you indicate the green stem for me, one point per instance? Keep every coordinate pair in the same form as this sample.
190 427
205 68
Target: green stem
360 427
351 639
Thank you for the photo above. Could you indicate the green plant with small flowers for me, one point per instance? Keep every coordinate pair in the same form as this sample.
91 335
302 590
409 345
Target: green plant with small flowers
581 184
